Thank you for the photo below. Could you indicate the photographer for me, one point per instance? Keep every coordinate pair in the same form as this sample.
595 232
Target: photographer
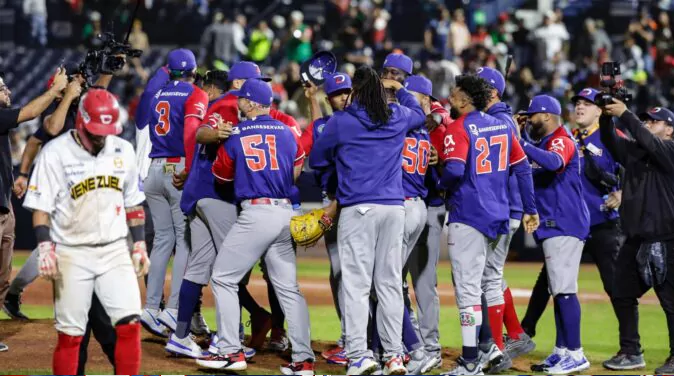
57 119
647 212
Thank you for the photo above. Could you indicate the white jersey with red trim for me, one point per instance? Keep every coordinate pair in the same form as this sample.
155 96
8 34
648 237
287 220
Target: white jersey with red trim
85 195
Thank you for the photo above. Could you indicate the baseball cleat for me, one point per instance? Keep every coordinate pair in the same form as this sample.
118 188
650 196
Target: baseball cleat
213 345
12 307
419 363
338 358
550 361
494 358
362 366
622 362
260 325
3 347
519 347
149 321
248 352
568 365
198 326
436 360
278 341
464 367
395 366
230 362
184 346
299 368
667 368
332 351
169 318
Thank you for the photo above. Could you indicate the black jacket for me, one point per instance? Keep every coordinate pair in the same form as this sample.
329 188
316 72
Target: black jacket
647 209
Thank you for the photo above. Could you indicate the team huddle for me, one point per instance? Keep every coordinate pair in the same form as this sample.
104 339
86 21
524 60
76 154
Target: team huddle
217 164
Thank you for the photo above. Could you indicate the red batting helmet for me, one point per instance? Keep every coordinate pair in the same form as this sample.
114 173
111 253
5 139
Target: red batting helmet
99 113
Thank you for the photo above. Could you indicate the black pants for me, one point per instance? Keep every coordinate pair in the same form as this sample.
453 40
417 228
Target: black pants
628 287
603 246
100 324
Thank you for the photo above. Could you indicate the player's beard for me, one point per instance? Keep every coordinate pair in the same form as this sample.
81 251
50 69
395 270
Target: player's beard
454 113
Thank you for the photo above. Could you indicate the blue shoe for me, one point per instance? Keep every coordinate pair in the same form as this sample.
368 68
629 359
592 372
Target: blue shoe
568 366
549 362
362 366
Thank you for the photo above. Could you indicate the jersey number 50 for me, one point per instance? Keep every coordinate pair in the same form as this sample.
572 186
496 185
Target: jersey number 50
163 125
256 158
483 164
416 161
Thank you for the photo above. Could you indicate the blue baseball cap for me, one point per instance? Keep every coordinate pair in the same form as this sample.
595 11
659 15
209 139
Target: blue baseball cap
244 70
337 82
659 113
589 94
255 90
544 104
400 61
493 78
317 68
181 59
419 84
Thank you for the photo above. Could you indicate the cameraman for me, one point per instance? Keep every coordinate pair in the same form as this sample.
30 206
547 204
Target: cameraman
647 213
57 119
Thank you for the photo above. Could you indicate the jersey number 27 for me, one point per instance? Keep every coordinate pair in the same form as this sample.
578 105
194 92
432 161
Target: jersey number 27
256 157
483 164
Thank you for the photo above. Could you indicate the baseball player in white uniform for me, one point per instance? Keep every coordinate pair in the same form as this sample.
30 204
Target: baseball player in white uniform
85 197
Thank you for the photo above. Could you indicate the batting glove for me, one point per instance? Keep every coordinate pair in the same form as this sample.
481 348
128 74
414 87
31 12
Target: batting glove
141 263
48 260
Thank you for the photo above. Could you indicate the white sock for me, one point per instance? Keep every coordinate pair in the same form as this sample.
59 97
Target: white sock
561 351
577 355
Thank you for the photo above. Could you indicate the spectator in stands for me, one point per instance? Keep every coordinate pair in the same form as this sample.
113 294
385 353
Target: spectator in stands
91 31
436 36
641 31
10 118
360 54
36 10
217 41
379 27
261 40
551 36
138 38
299 46
459 33
239 37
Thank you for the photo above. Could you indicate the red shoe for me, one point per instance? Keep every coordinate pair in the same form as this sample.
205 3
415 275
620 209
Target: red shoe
260 325
339 358
330 352
299 368
231 362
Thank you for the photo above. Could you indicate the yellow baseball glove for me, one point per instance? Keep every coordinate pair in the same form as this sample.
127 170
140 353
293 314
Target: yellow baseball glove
308 228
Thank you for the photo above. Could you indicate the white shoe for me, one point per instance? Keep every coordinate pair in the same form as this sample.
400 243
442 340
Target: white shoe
395 366
198 326
213 345
184 346
436 360
486 358
420 362
568 366
149 321
362 366
169 317
465 368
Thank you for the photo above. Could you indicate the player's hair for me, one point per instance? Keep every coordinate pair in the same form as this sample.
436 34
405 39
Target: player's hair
369 92
217 79
476 88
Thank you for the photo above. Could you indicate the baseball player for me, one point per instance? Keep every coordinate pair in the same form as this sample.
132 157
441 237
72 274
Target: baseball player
262 159
518 343
565 223
337 88
178 109
422 262
364 143
480 153
83 183
211 213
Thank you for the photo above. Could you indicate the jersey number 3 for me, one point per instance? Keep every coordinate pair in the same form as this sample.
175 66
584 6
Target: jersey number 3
416 161
163 126
483 164
256 158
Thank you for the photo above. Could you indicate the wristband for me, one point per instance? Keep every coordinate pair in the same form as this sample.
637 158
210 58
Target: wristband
42 233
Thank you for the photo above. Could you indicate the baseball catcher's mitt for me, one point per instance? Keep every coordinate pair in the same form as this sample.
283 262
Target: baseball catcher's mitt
308 228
